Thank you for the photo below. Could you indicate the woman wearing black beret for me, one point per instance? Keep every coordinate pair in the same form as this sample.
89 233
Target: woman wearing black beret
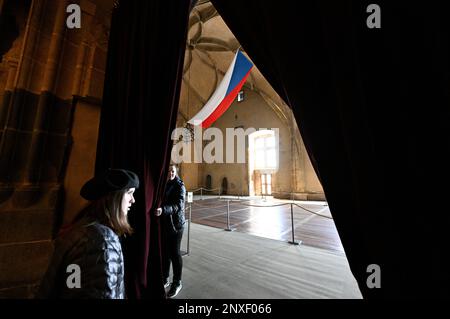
87 261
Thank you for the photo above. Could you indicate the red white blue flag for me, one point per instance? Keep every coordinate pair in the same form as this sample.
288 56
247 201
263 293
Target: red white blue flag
225 93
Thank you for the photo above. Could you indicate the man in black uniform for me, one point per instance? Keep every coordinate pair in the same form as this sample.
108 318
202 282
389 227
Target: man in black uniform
172 227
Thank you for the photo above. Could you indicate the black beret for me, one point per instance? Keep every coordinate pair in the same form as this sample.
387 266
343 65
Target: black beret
110 181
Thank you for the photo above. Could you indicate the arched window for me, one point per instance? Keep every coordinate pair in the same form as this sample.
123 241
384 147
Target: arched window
265 151
263 161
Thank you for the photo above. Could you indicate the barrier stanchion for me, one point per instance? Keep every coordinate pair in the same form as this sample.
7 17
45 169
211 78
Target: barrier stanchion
228 217
189 227
220 192
293 242
201 193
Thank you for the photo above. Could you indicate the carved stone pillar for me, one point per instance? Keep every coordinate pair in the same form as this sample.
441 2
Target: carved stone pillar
5 188
84 48
89 71
46 98
79 68
33 136
30 42
12 70
8 107
55 49
12 63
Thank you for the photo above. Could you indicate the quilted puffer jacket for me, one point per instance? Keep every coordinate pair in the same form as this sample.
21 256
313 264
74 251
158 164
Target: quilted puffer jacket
96 249
173 205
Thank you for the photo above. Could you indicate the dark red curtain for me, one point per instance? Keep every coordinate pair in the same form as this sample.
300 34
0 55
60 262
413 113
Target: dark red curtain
373 109
140 105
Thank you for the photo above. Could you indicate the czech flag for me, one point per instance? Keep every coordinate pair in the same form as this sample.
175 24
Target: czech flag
226 92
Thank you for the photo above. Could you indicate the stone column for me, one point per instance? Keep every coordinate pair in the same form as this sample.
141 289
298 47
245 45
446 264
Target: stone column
89 71
78 75
5 187
13 99
30 41
9 88
47 96
88 9
12 63
55 49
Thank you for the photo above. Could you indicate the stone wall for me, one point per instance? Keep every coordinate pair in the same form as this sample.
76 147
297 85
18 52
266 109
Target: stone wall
295 173
48 76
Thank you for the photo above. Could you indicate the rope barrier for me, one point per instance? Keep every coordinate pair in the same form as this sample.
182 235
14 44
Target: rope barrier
205 189
263 206
235 200
209 207
289 193
312 212
229 228
284 204
277 205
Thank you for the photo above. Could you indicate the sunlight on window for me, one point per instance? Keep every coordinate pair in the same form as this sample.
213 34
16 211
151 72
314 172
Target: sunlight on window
265 152
263 160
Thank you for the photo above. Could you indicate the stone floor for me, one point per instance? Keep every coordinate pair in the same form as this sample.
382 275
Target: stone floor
235 265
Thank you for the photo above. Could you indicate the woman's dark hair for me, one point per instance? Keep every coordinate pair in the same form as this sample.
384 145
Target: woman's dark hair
108 211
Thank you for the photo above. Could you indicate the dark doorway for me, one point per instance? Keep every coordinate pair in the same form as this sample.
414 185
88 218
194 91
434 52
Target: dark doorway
224 186
208 182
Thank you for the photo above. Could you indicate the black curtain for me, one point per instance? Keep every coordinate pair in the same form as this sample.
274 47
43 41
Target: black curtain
139 111
373 109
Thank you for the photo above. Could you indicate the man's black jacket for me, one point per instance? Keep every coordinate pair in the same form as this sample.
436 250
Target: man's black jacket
173 204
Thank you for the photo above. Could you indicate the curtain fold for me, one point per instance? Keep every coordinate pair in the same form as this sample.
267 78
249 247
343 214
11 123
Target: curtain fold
372 106
140 104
